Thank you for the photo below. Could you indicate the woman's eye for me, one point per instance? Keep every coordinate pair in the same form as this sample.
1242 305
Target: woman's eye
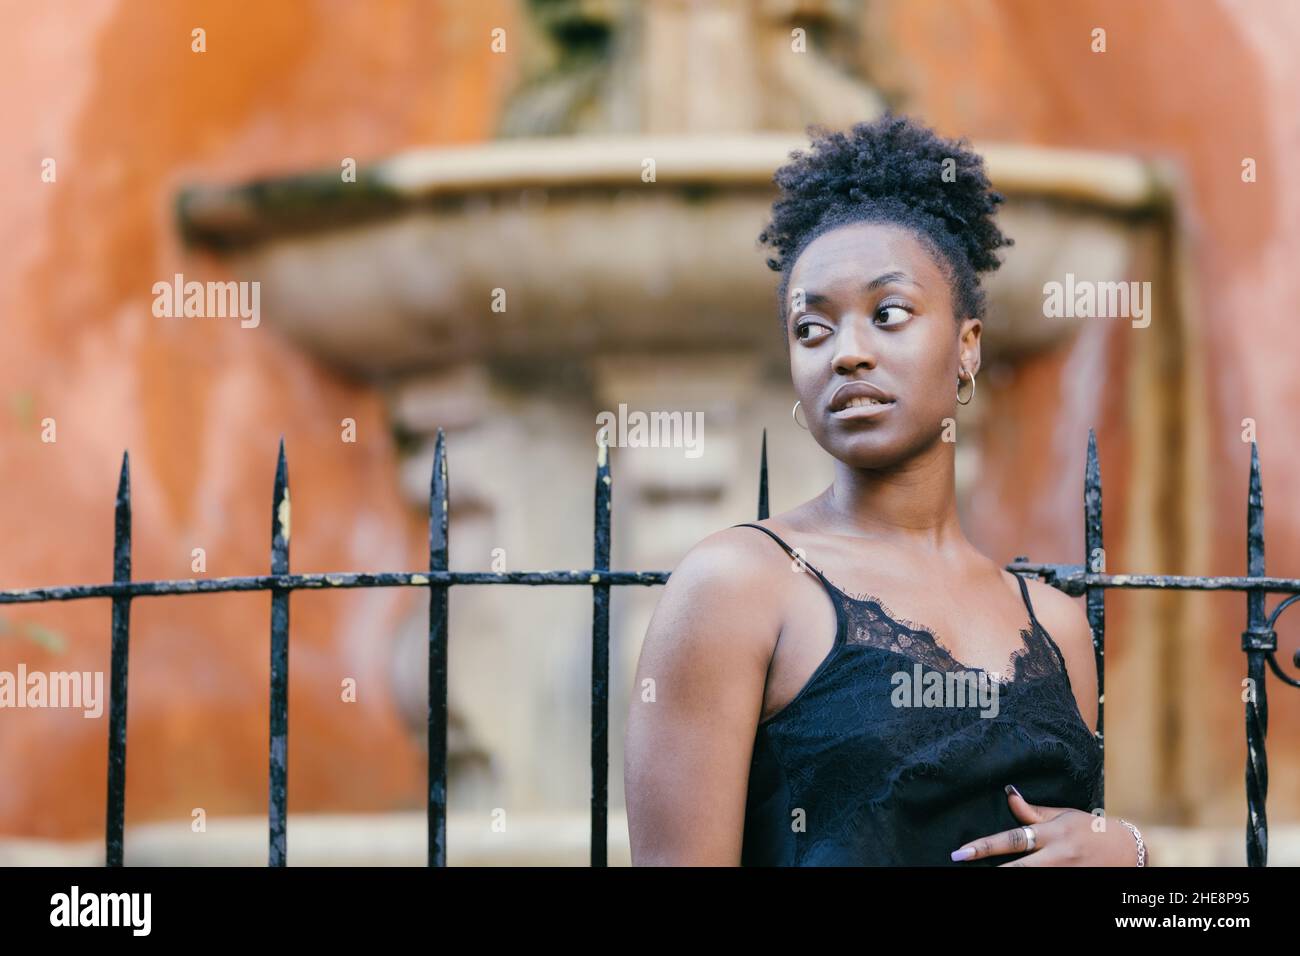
899 314
810 330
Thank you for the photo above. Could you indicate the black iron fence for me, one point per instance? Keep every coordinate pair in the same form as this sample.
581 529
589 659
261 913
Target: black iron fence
1258 641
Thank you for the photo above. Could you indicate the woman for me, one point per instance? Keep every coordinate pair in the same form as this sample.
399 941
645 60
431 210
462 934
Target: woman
937 709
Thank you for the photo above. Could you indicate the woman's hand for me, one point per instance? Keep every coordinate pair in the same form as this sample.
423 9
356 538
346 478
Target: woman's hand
1063 836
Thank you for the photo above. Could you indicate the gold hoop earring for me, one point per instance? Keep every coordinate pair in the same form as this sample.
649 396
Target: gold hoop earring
972 387
794 414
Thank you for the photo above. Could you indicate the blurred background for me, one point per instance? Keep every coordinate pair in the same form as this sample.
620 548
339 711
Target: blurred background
447 207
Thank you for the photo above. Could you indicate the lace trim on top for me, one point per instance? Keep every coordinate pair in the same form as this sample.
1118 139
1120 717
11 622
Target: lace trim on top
872 623
867 621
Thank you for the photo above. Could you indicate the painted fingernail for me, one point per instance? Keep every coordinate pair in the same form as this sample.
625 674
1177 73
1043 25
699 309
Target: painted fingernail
965 853
1011 789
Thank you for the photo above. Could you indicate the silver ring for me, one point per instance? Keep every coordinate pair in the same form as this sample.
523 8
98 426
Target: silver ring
1029 836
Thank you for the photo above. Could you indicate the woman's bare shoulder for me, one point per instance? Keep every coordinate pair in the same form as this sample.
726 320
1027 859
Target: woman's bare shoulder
1063 616
724 597
736 562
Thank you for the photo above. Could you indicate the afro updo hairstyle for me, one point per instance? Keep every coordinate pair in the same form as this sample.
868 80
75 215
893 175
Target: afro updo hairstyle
890 170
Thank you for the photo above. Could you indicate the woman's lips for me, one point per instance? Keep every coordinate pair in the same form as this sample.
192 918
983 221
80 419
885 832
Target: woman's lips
862 407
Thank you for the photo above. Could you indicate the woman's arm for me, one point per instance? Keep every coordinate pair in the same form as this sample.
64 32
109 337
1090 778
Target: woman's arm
695 706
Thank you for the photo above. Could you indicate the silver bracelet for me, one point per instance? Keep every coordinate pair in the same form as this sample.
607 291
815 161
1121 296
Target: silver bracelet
1142 847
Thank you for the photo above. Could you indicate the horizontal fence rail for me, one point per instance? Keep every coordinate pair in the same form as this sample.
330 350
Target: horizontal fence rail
1088 580
1064 577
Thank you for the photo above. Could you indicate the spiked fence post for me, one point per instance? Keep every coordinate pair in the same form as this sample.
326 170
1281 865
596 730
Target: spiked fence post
121 643
1258 641
279 756
1094 558
600 660
438 603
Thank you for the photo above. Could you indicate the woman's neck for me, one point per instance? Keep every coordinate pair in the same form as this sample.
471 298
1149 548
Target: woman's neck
913 504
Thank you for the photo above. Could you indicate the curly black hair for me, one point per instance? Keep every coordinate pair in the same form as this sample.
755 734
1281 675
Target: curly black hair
896 170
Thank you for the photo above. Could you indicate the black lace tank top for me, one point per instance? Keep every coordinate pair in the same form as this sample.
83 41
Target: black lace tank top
896 754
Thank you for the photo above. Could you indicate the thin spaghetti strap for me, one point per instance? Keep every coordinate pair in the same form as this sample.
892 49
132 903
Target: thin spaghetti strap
834 592
841 623
1024 592
837 601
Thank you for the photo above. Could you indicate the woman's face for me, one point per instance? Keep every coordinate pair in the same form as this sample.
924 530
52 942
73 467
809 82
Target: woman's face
874 347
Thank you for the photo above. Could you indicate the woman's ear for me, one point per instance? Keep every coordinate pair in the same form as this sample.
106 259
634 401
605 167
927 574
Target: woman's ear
968 344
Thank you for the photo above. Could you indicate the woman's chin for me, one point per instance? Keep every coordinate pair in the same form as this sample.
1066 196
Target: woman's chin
868 451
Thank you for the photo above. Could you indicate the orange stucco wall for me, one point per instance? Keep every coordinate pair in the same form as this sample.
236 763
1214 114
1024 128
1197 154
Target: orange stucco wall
114 94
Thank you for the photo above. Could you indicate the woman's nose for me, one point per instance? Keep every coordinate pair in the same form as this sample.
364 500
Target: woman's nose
854 345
